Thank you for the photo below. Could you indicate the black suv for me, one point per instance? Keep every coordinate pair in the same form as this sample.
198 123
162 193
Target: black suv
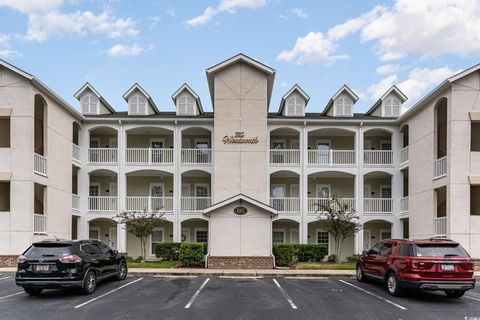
52 264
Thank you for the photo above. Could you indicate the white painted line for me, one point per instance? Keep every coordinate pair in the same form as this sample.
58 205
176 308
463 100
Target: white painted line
106 294
4 278
11 295
468 297
289 300
241 277
306 278
374 295
192 300
175 277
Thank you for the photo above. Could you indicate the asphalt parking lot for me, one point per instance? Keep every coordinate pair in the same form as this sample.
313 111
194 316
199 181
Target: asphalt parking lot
233 298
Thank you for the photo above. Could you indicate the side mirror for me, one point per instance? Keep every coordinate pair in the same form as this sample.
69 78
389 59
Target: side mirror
113 252
364 253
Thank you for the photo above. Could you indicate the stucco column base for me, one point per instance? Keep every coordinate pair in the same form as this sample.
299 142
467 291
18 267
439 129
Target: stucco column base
240 262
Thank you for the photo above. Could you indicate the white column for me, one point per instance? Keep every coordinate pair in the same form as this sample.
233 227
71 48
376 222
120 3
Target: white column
358 247
82 227
121 178
358 242
121 238
177 184
303 225
397 229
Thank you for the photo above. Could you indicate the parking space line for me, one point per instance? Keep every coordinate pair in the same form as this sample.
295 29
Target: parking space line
374 295
5 278
192 300
175 277
305 278
106 294
468 297
241 277
285 295
11 295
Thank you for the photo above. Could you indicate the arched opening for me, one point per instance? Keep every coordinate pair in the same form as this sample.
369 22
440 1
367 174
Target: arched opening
196 191
331 146
150 190
317 234
196 146
194 230
162 233
105 230
75 141
377 193
285 231
322 186
284 146
103 145
40 122
285 191
103 191
405 134
375 231
149 145
377 146
441 128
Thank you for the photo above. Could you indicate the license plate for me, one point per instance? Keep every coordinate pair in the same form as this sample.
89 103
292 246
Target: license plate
42 267
448 267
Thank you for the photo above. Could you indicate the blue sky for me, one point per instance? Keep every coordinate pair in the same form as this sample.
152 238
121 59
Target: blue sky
368 45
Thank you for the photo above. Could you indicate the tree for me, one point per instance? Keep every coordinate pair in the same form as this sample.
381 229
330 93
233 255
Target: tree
141 224
339 219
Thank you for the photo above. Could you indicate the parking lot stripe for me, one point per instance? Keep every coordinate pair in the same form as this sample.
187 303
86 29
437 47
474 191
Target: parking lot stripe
5 278
11 295
106 294
192 300
287 297
241 277
374 295
468 297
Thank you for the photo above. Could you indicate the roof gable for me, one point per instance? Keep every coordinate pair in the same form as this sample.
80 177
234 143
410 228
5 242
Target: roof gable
295 88
88 86
343 89
137 87
186 87
393 89
240 197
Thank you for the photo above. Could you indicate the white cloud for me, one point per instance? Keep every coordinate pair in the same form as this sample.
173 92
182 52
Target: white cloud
376 90
224 6
388 68
119 50
282 16
171 13
300 13
32 6
9 53
154 21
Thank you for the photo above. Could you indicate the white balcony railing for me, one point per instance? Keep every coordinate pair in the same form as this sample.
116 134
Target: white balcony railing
285 157
75 202
196 156
75 152
440 167
377 205
404 155
39 223
404 205
103 155
290 205
378 157
150 156
150 204
102 203
195 204
441 227
331 157
315 204
39 164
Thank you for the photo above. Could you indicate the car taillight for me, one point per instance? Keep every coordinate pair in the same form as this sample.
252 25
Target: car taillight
470 266
70 259
21 259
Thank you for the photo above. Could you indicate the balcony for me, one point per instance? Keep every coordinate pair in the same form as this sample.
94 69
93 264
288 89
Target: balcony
103 155
75 152
196 156
404 205
195 204
286 157
150 204
378 157
102 204
440 168
75 202
39 164
315 204
286 205
331 157
148 156
441 227
378 205
404 156
39 223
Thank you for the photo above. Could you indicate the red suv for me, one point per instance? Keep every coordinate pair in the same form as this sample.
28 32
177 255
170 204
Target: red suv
432 264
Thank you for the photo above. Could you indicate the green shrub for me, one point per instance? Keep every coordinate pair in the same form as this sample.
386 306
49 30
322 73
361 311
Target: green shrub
353 258
283 254
309 252
332 258
191 254
168 251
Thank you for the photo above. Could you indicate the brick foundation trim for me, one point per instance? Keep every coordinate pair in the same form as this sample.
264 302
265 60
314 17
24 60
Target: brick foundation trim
8 261
239 262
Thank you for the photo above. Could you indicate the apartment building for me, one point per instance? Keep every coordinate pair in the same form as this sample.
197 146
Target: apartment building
243 176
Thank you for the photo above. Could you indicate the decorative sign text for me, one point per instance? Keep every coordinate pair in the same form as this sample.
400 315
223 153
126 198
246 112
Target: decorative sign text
240 210
239 137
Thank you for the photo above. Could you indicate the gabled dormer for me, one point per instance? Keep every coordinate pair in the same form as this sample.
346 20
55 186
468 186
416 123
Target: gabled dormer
389 105
91 102
293 103
187 102
139 101
341 104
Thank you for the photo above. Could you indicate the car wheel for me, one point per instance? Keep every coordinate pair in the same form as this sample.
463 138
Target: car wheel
122 271
33 291
392 285
359 273
454 293
89 283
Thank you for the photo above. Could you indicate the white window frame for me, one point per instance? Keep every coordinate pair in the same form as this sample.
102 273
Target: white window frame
131 103
383 231
329 247
201 185
149 253
318 141
156 184
336 105
296 106
90 103
162 140
95 229
284 141
202 140
282 230
321 185
200 229
182 107
391 106
95 184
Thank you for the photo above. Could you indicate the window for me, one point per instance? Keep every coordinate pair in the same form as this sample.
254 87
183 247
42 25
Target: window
94 233
90 249
89 104
391 107
201 235
137 104
475 136
186 105
405 250
278 236
156 238
386 249
474 200
5 196
295 106
376 249
322 238
343 106
5 132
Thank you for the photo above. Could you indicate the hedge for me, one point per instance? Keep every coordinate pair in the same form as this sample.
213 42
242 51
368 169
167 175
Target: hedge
168 251
286 254
191 254
283 254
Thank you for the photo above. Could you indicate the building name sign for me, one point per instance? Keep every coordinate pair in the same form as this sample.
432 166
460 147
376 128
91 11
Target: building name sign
240 210
239 137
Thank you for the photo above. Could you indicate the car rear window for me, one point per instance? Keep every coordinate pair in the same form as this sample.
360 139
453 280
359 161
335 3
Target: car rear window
440 250
50 250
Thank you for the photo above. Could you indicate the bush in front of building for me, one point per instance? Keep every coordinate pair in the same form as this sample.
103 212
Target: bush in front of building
168 251
191 254
353 258
309 252
332 258
283 254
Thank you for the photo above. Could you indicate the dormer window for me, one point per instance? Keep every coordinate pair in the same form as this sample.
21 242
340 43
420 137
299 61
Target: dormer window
137 104
343 106
89 104
391 107
186 105
295 106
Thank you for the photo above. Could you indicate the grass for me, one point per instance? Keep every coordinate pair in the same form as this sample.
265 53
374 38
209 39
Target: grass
154 264
326 266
